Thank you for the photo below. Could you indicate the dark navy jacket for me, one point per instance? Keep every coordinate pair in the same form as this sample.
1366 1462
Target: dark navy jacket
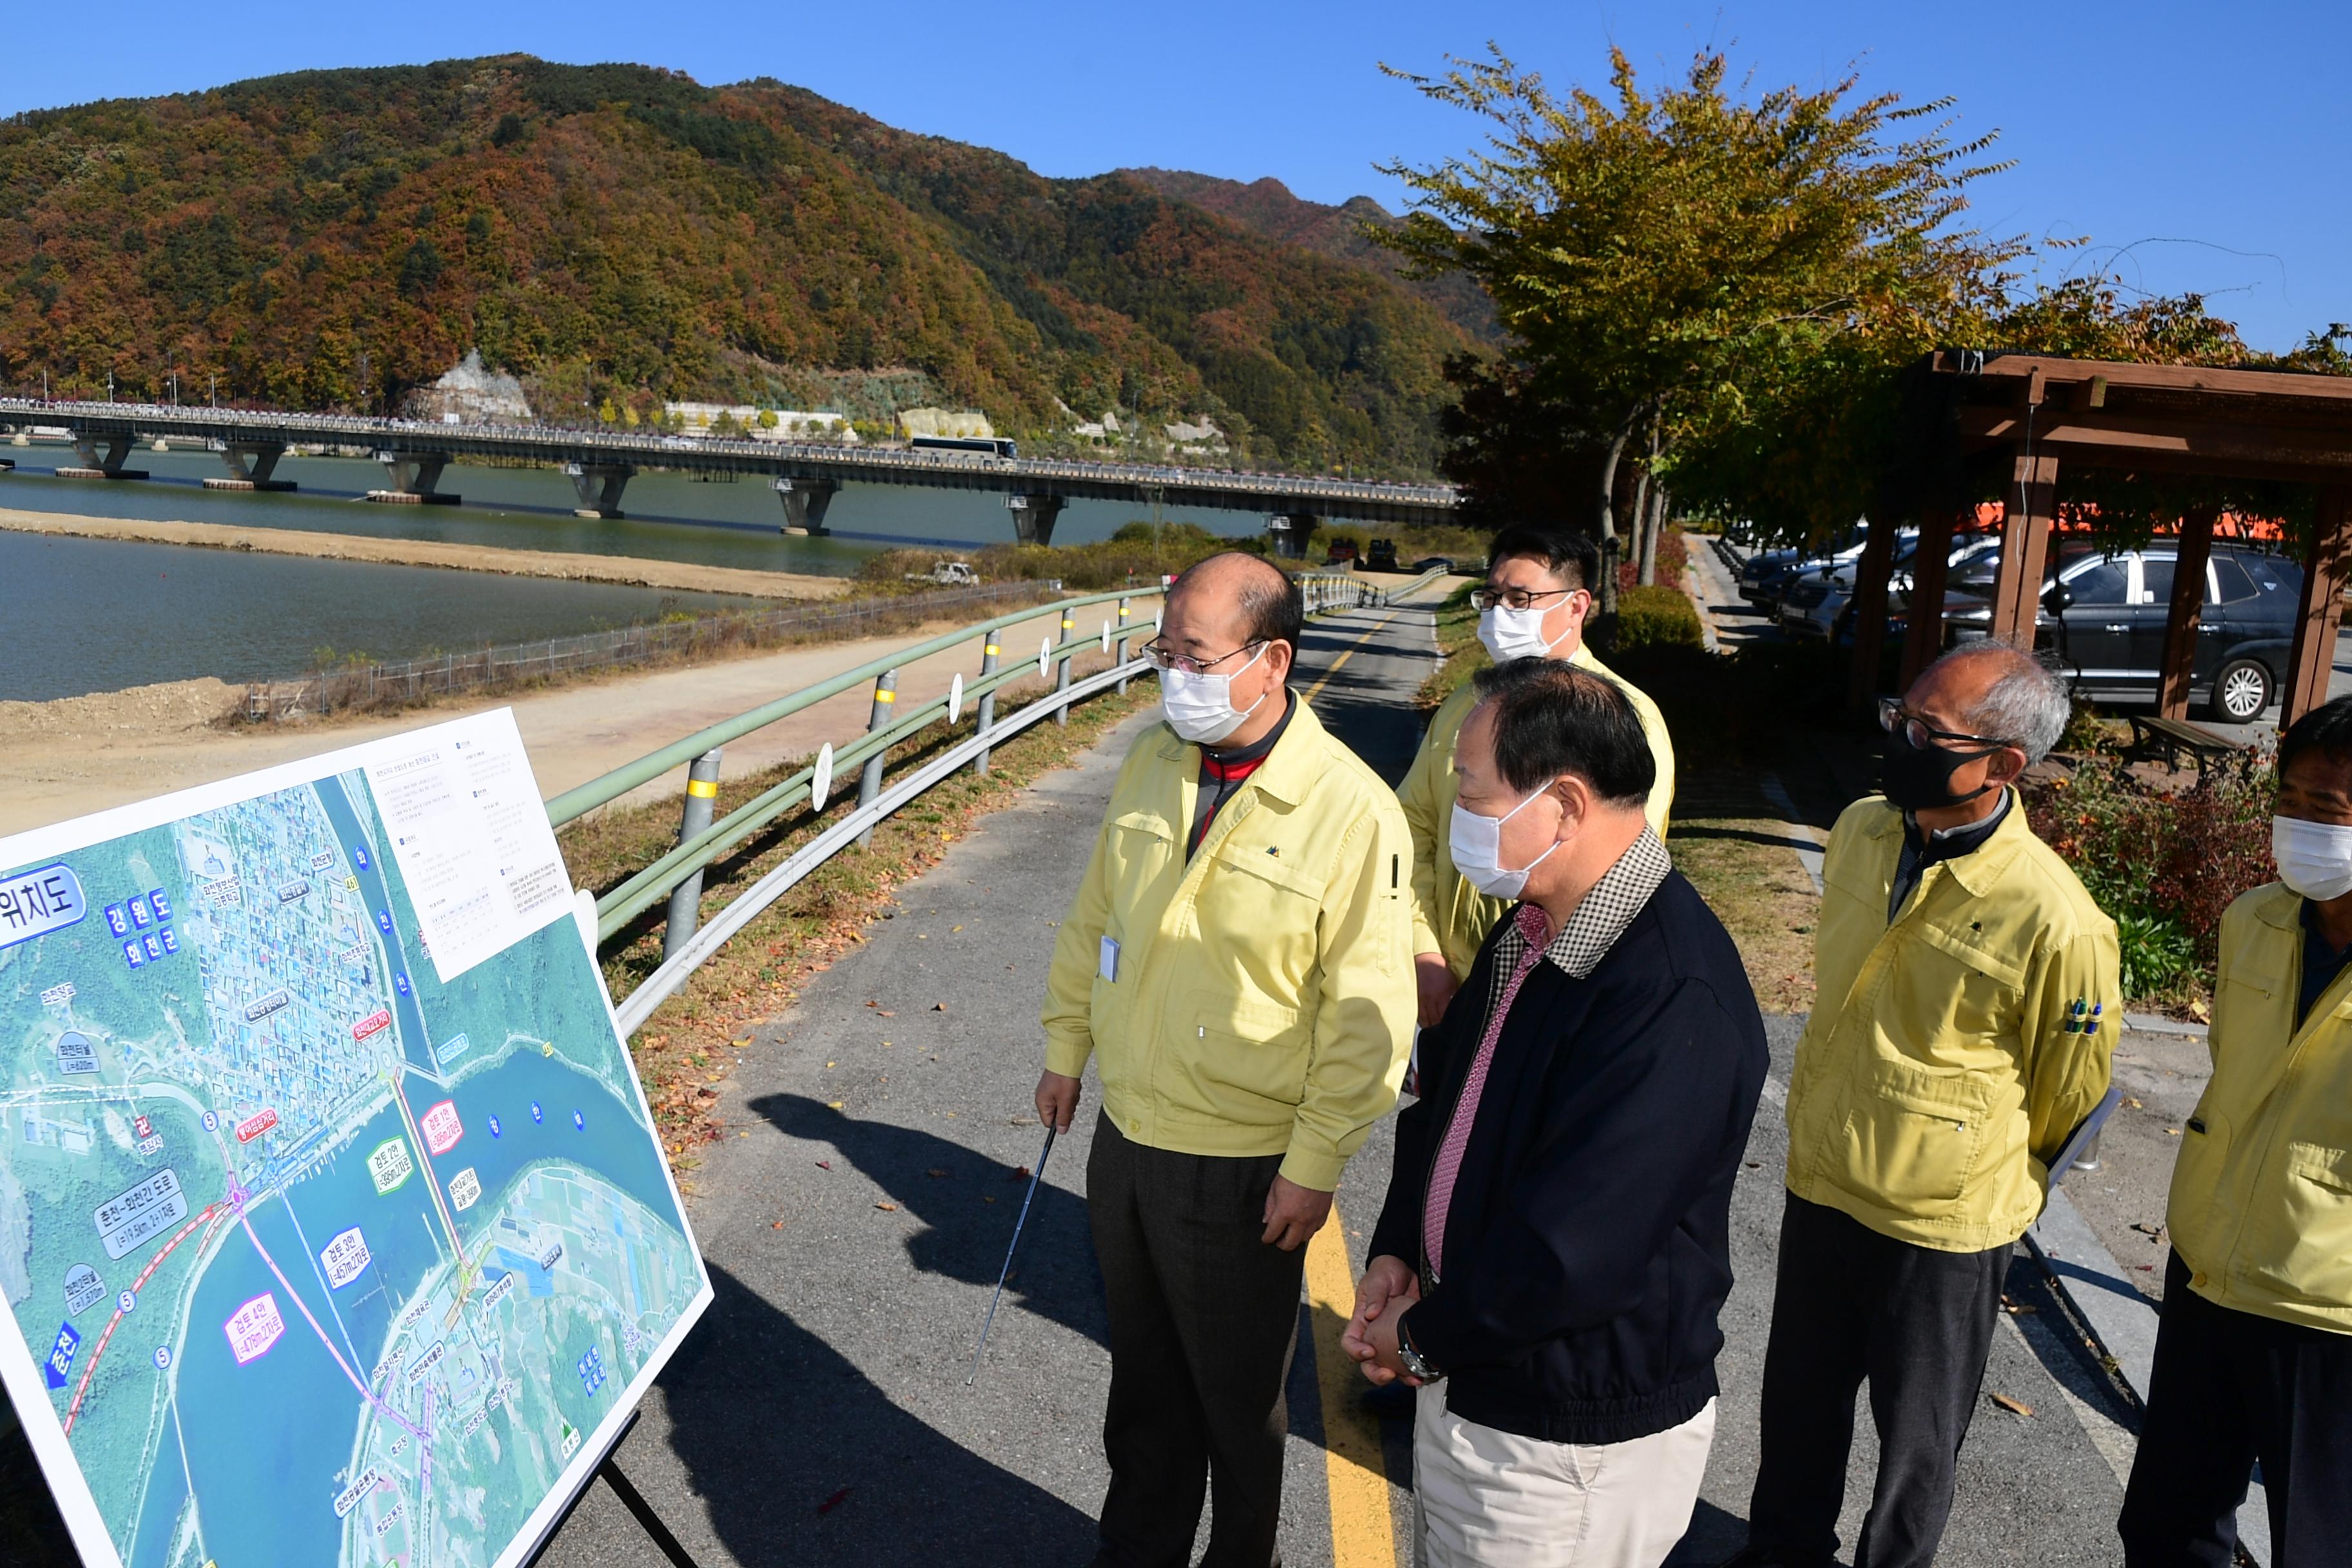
1588 1246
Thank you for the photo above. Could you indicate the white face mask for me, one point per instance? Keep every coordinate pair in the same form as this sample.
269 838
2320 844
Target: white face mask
1200 708
2314 858
1477 845
1511 634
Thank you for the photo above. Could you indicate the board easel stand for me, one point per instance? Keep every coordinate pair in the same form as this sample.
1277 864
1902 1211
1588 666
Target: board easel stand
631 1498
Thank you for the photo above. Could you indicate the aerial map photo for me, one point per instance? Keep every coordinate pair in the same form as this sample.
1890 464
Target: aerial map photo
323 1251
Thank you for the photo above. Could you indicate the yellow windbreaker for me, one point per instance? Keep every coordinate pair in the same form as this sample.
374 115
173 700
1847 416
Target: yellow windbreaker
1949 1053
1449 915
1258 999
2262 1195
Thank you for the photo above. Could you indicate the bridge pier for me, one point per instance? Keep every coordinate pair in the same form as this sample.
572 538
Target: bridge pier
103 456
599 487
1288 532
250 465
805 501
1034 516
415 479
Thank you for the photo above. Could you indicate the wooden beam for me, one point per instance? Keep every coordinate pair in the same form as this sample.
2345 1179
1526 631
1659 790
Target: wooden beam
1929 566
2312 666
2123 376
2188 611
1870 577
2024 546
2108 435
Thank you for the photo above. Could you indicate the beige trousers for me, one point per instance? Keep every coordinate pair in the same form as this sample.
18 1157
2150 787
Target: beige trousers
1484 1499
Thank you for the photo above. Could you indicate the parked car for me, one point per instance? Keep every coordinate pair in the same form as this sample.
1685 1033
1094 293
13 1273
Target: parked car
1340 553
2105 616
947 574
1820 604
1765 576
1381 557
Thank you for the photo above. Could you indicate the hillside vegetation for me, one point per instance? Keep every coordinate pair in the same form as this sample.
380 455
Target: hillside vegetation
620 236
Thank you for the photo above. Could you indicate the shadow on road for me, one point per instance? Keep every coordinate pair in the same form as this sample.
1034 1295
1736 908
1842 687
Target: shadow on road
1713 1536
1055 1277
801 1459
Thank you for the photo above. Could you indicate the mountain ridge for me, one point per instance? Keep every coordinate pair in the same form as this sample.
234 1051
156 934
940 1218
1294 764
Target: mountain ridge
623 234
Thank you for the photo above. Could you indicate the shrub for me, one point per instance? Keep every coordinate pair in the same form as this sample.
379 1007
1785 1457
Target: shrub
1131 556
1674 556
2164 863
1656 616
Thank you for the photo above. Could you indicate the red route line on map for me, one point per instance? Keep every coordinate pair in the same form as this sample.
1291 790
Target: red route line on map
137 1285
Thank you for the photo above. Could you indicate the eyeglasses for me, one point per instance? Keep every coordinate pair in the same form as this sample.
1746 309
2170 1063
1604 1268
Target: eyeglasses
1919 733
1515 598
1161 657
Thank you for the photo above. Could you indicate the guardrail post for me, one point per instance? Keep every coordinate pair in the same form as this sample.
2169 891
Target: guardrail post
1062 670
869 783
985 719
685 899
1119 644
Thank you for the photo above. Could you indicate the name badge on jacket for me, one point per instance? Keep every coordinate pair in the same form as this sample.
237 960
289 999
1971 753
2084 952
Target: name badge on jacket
1108 964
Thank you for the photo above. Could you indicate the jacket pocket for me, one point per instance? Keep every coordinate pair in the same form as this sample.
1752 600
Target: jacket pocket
2302 1242
1259 922
1247 1060
1911 1138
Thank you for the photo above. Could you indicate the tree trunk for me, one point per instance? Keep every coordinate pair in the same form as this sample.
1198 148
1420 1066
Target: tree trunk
1654 527
1607 516
1646 545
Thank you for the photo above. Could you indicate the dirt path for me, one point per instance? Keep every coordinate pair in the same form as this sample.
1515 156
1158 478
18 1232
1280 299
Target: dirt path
80 755
634 571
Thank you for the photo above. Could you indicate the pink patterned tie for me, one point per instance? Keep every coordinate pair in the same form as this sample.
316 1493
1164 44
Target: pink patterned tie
1537 929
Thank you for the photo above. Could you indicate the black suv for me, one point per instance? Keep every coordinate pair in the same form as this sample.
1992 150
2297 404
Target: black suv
2105 616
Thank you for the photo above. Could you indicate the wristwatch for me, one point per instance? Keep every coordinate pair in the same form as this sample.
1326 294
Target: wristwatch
1415 1364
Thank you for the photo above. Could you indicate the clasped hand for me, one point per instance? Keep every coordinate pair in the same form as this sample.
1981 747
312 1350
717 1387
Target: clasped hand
1388 1288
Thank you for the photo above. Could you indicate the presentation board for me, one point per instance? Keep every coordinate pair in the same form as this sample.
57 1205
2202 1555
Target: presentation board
334 1228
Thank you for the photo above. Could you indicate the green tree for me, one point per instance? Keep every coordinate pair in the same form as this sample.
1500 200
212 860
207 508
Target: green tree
1673 269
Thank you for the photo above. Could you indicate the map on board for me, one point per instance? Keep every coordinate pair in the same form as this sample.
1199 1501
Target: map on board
333 1226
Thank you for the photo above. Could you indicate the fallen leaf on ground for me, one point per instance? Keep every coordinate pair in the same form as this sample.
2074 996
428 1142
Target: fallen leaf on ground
2149 1229
939 1006
2133 1103
834 1501
824 1165
832 1105
935 1171
955 928
988 1200
1020 1174
775 1224
887 1203
2014 1406
886 1013
2173 1132
742 1040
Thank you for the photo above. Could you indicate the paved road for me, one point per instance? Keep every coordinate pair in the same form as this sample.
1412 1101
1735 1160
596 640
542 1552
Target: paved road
855 1221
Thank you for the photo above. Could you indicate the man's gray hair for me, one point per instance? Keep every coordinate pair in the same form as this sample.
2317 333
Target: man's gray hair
2027 705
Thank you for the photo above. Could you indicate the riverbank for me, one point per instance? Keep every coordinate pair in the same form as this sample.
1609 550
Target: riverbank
629 570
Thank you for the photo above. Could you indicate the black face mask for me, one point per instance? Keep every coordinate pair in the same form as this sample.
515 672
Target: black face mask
1919 778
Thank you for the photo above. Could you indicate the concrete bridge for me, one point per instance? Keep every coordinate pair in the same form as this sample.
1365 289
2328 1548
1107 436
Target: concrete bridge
805 475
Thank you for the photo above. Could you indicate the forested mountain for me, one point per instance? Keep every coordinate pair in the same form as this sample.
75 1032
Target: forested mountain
1268 207
620 235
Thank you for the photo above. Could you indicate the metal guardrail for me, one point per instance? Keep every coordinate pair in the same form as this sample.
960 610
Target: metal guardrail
677 873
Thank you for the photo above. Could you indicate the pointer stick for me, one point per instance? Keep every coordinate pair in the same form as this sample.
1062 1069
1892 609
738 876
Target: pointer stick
1034 1177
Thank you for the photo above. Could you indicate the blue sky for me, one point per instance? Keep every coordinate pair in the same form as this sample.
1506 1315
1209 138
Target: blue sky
2200 146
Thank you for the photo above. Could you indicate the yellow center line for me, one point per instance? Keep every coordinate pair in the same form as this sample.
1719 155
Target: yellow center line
1362 1535
1348 653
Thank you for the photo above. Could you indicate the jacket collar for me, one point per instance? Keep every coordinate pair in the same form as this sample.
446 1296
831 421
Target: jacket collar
1981 869
1602 916
2279 905
1289 771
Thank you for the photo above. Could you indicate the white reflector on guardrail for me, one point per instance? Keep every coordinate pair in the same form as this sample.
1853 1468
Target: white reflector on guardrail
821 780
1106 636
1044 655
955 698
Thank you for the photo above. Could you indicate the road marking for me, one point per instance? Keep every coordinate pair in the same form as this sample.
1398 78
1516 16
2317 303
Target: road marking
1362 1533
1344 655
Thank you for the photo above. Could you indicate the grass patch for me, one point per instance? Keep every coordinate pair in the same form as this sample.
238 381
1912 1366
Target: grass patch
1743 867
685 1050
1459 652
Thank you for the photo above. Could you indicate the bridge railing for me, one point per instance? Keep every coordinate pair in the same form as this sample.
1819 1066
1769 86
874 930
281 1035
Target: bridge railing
676 874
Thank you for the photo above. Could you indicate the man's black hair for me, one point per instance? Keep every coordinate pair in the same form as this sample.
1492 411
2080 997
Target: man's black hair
1272 609
1551 718
1573 558
2327 728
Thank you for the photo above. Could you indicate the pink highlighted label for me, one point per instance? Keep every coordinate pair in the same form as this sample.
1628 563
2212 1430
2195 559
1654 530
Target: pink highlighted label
368 1025
254 1327
253 1126
441 1127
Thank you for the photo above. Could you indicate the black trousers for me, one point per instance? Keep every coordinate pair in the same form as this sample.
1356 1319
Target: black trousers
2230 1388
1852 1305
1203 1320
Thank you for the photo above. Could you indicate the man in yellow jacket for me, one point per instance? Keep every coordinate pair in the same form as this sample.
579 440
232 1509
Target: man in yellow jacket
2253 1358
1966 1007
1238 966
1537 593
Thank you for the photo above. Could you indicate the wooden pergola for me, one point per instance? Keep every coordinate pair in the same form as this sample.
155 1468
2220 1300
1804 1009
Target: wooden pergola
2150 419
